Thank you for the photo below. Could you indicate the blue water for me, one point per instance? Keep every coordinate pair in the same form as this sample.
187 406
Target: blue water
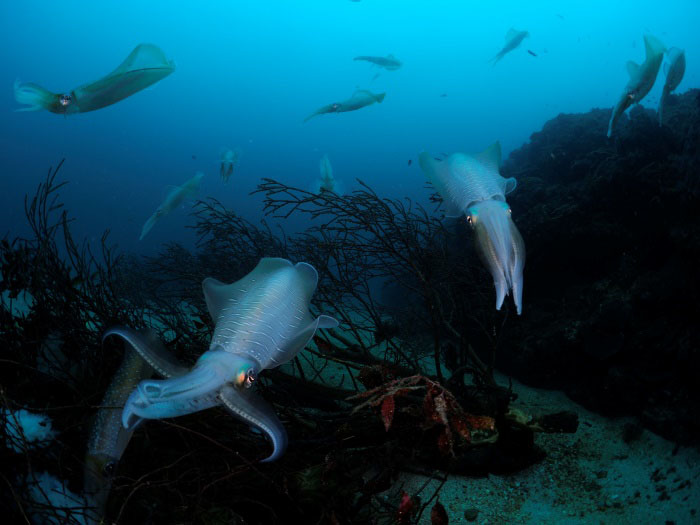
248 72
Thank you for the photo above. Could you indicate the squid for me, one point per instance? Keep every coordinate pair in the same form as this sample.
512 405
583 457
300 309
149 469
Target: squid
261 321
389 62
513 40
471 185
229 162
360 99
175 197
326 181
108 437
642 78
144 66
674 70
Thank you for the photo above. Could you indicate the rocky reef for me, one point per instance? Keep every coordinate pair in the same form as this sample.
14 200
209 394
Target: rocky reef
612 228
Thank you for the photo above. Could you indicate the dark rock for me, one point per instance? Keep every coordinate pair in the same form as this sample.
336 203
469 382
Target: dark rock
612 229
471 514
631 432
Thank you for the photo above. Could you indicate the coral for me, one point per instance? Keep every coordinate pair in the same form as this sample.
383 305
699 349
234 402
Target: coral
24 429
439 407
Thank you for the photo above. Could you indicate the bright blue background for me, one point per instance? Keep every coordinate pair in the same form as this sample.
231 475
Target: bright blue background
248 72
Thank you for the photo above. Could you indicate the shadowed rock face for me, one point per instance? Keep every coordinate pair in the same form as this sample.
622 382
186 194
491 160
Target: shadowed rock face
613 232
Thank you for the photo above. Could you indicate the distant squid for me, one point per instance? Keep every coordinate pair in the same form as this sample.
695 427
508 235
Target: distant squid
642 78
144 66
359 99
326 181
261 321
513 39
389 62
674 70
229 162
471 185
177 196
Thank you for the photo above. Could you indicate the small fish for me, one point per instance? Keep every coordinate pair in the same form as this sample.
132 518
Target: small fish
560 16
410 161
443 95
532 53
194 157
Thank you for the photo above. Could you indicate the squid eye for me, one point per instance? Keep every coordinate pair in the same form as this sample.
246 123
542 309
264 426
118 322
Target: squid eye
65 100
108 469
250 378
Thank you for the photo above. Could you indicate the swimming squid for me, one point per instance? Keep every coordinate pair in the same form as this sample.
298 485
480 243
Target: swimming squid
642 78
471 185
261 321
359 99
176 197
674 70
144 66
108 437
389 62
326 181
513 40
229 161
